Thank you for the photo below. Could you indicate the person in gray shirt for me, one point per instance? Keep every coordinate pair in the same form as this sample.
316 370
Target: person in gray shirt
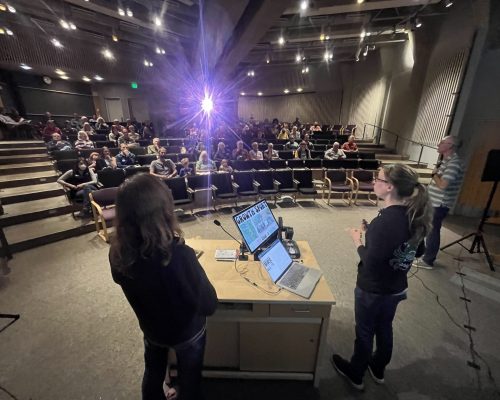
163 167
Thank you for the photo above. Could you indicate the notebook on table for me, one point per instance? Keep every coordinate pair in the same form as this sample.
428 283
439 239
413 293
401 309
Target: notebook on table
288 274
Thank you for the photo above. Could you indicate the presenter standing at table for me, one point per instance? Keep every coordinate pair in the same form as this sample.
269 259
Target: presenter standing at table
393 239
164 283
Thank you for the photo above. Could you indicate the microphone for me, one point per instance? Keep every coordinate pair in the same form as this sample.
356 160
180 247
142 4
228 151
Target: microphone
242 256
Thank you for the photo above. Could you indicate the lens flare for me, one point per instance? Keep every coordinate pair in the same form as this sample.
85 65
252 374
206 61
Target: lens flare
207 105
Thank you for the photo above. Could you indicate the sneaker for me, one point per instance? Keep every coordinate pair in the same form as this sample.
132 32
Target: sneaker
377 376
424 264
342 366
83 214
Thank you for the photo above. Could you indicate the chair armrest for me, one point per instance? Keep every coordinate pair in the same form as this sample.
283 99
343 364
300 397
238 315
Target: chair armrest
350 182
235 185
96 207
355 182
276 184
256 185
190 191
296 184
328 183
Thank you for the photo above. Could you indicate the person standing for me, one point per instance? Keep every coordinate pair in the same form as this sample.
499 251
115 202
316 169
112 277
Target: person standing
164 284
393 239
443 191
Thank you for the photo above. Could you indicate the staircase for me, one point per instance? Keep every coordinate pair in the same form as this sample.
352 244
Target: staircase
36 210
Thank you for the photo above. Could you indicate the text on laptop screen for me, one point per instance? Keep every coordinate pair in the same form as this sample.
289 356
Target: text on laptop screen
275 260
256 225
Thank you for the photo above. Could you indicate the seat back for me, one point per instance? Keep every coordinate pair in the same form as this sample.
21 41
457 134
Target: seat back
351 155
101 143
332 164
284 177
223 183
198 182
135 170
336 175
304 176
147 159
265 179
64 155
295 163
316 163
369 164
244 179
367 156
363 175
111 177
349 164
286 154
105 197
64 165
178 188
275 164
139 151
317 153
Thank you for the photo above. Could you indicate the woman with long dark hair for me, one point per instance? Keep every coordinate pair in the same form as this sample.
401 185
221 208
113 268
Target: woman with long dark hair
393 240
163 282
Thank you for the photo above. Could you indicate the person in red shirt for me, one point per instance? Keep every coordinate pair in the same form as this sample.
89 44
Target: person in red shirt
50 129
350 146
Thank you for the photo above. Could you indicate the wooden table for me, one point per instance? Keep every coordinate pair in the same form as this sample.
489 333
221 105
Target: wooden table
255 334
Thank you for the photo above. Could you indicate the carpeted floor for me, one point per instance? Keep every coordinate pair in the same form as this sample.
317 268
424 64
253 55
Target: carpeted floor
78 338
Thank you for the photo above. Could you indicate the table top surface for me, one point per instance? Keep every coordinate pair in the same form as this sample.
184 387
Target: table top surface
231 286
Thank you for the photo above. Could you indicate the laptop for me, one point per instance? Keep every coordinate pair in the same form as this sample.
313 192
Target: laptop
288 274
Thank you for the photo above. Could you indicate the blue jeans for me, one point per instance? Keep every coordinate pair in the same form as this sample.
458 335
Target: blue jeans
433 239
374 314
189 366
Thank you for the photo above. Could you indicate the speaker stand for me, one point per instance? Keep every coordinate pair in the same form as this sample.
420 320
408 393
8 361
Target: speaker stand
478 234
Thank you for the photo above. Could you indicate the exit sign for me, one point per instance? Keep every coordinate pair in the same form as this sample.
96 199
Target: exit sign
134 85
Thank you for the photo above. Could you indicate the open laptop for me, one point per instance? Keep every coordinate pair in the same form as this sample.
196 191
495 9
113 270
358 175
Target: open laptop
288 274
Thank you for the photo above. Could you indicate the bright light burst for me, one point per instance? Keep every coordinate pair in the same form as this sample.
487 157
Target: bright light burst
207 104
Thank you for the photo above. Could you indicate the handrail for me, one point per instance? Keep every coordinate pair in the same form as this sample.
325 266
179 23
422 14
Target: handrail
381 130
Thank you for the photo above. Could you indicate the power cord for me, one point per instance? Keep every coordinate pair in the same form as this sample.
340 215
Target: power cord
255 284
8 393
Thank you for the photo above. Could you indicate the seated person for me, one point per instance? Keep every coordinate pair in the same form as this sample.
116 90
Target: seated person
303 152
295 133
204 164
225 167
350 146
132 133
80 180
147 130
126 139
155 147
88 129
163 167
255 153
125 158
57 144
75 121
270 153
50 129
310 146
221 152
83 141
283 135
292 144
335 153
101 125
106 161
186 170
115 133
92 160
316 127
240 153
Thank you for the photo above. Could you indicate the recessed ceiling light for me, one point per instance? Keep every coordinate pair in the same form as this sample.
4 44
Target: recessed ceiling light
72 25
115 38
146 63
129 12
98 78
26 67
60 72
158 50
107 54
64 24
86 79
322 37
157 21
162 51
299 89
361 1
286 91
448 3
65 77
362 34
368 33
251 73
8 32
10 8
3 7
418 22
304 4
242 93
268 60
56 42
121 12
327 37
259 93
2 31
281 40
298 58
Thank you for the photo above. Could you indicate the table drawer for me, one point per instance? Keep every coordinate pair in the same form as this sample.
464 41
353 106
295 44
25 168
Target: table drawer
299 310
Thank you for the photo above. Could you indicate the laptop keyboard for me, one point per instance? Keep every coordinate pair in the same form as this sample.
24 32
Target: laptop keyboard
294 276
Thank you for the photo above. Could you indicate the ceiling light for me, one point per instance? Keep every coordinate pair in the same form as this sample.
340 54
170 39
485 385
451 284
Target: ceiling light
448 3
72 25
299 89
158 50
86 79
327 37
64 24
242 93
361 1
305 70
129 12
162 51
10 8
107 54
146 63
365 52
286 91
2 32
268 60
251 73
115 38
362 34
56 42
26 67
281 40
65 77
260 94
3 7
322 37
121 12
328 56
303 5
298 58
60 72
157 21
418 22
8 32
98 78
368 33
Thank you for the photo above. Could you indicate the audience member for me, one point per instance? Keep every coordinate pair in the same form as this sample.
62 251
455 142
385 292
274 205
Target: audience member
88 129
255 153
204 164
291 144
125 158
295 133
92 160
316 127
270 153
50 129
335 152
283 135
126 139
147 130
80 180
225 167
106 161
75 122
221 152
100 124
303 151
186 170
83 141
115 133
163 167
57 144
309 144
132 133
155 147
240 153
350 146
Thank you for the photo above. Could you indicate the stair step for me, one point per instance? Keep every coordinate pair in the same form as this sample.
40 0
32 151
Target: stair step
31 192
27 167
412 164
21 144
33 178
386 156
24 158
48 230
23 150
18 213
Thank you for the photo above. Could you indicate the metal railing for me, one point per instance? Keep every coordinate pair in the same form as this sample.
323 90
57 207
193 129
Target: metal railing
377 132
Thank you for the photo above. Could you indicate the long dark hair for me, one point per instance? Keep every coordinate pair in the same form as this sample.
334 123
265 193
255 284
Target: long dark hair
145 222
76 167
409 189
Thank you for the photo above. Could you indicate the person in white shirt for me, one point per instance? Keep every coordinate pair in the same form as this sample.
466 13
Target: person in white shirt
270 153
335 153
255 153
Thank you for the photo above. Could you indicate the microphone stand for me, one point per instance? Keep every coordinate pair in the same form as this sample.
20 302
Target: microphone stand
242 256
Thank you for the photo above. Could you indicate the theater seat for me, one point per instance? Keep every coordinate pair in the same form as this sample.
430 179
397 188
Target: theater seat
103 209
337 181
363 182
180 193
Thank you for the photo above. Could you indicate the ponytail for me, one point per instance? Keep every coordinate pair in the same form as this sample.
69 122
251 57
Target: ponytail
419 214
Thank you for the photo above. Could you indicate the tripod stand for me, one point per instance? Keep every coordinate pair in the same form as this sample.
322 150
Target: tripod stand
478 234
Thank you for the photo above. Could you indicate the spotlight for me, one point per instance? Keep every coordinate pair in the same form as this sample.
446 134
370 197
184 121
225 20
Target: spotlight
207 104
65 77
260 94
86 79
157 21
107 54
322 37
368 33
121 12
8 32
327 37
362 34
72 26
98 78
11 9
298 58
148 63
158 50
251 73
304 4
268 60
115 38
60 72
2 32
162 51
361 1
129 13
328 56
281 40
26 67
242 93
365 52
418 22
448 3
286 91
64 24
56 43
299 89
3 7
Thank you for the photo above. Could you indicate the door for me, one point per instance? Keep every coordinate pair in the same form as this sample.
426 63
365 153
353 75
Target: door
138 109
114 108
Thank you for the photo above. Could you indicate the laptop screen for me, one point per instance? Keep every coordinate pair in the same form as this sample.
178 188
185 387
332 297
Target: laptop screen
275 259
257 225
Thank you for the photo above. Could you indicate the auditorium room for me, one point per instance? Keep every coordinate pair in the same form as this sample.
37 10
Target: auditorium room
249 199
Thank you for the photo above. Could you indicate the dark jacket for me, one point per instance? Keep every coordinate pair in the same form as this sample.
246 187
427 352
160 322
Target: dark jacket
387 256
171 302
